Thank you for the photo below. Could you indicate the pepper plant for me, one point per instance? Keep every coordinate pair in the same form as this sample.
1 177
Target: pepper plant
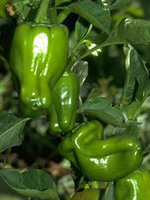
49 62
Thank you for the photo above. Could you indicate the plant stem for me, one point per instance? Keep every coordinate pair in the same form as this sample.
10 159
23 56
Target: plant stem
63 15
9 160
71 62
42 16
53 13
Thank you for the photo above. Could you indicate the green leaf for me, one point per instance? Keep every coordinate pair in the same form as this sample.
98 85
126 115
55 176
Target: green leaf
96 36
143 50
136 79
132 110
95 103
136 88
96 14
59 2
31 183
11 128
146 91
131 129
146 150
63 15
110 192
119 4
81 69
106 2
110 2
102 109
133 31
81 28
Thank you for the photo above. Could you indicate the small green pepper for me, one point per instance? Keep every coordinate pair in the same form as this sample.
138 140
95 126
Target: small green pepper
65 102
101 159
135 186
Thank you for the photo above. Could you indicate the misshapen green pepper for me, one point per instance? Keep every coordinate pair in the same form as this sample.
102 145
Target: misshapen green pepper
38 58
101 159
65 101
135 186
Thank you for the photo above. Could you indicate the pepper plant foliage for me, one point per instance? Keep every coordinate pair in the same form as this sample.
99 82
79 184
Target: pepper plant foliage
99 25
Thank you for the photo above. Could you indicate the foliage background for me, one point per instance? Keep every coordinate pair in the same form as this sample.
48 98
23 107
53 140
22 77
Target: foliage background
106 77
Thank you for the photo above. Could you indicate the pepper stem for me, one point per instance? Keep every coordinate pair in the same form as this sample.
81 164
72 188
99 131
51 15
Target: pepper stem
53 13
42 13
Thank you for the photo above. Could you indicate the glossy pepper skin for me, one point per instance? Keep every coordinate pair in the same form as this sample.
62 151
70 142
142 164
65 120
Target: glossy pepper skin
65 102
54 125
88 194
135 186
101 159
38 58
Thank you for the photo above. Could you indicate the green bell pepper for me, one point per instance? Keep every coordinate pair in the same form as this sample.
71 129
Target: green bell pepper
65 102
135 186
101 159
38 58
